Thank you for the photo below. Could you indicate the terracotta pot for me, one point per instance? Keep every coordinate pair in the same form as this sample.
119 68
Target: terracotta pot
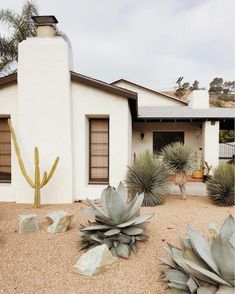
198 174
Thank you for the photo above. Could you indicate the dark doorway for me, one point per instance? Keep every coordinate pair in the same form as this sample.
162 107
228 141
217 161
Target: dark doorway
161 139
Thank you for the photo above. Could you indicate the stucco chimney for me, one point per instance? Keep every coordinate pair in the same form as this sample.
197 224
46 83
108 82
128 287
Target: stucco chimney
44 111
46 25
199 99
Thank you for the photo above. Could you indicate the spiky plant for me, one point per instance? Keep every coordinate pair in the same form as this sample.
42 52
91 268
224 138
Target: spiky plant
202 266
220 187
180 160
147 174
117 223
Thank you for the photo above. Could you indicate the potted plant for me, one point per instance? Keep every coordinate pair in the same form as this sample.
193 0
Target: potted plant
199 172
207 175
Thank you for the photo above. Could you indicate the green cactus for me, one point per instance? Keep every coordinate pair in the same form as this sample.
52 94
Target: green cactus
38 182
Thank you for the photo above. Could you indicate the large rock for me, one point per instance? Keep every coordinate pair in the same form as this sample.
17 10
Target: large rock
94 261
28 223
60 221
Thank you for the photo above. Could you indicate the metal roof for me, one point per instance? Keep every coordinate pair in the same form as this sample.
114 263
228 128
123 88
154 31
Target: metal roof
184 112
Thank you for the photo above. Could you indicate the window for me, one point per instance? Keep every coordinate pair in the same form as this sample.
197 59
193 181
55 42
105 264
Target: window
161 139
5 151
98 151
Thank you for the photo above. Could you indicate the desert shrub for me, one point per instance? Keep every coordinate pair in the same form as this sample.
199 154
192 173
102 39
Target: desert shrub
201 265
147 174
116 223
220 187
180 161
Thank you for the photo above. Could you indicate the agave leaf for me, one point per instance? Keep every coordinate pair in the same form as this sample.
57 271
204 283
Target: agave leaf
178 286
96 227
189 254
134 248
141 238
123 250
206 273
225 290
232 240
192 285
182 263
97 209
94 237
123 238
114 205
223 253
201 245
132 231
122 191
103 200
207 290
143 218
114 252
126 224
228 227
105 220
112 232
213 230
168 262
135 211
177 276
108 242
185 243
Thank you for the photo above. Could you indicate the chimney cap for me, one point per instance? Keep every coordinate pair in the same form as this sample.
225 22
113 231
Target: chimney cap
45 20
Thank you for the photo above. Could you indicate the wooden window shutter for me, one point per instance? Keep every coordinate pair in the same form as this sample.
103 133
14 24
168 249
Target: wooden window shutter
99 151
5 151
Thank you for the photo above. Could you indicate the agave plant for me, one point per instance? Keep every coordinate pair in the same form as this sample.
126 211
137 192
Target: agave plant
220 187
180 160
148 175
203 266
117 222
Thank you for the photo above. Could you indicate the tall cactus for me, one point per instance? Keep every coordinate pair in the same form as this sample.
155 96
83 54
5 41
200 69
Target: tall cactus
38 182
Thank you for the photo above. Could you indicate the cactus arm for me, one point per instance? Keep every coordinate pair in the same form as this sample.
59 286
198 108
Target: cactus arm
20 161
51 173
44 179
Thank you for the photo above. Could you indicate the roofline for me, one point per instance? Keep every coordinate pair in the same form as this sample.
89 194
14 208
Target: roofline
76 77
4 81
151 90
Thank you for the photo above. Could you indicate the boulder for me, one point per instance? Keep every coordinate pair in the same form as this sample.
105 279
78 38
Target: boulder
60 221
28 223
94 261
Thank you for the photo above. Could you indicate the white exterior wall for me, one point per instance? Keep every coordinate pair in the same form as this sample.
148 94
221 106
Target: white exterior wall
44 116
8 106
199 99
149 98
192 134
92 102
210 131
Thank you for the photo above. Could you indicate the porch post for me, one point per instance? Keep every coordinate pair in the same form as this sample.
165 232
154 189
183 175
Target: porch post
210 137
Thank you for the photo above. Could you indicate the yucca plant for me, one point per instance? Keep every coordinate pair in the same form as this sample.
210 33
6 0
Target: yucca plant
220 187
202 266
117 222
147 174
180 160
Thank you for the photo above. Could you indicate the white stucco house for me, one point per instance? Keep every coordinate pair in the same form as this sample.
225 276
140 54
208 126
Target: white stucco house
94 127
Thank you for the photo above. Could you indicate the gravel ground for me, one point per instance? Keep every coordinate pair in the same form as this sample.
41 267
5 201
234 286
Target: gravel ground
41 262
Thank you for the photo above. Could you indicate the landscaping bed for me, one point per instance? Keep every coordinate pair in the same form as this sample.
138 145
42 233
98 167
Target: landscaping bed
42 262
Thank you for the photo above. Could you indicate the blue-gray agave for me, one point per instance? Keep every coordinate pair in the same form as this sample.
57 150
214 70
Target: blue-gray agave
117 224
203 266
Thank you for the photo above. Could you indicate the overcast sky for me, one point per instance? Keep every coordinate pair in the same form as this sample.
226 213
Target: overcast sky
150 42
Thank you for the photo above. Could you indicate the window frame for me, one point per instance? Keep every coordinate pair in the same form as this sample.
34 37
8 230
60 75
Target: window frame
97 181
7 181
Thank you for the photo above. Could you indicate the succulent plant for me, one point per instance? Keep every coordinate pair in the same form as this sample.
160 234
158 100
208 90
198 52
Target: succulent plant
180 160
117 222
203 266
147 174
220 187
